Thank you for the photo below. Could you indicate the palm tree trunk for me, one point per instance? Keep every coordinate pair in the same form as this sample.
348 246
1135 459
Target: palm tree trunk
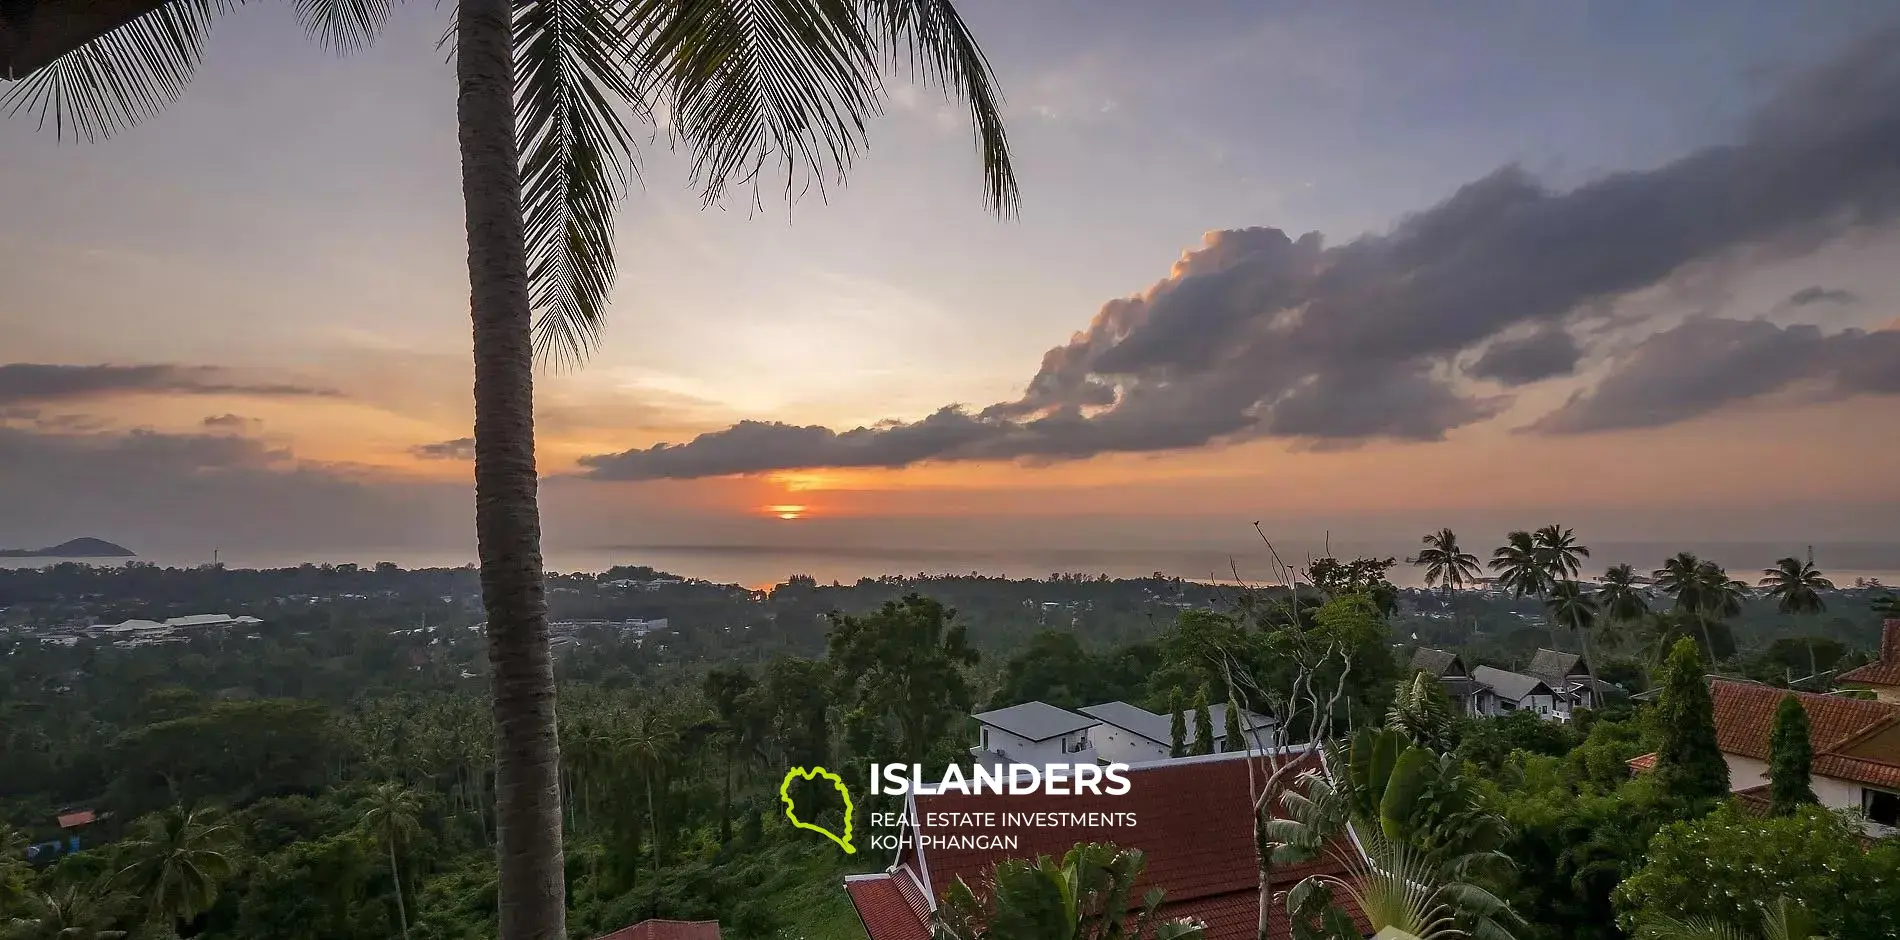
532 886
402 913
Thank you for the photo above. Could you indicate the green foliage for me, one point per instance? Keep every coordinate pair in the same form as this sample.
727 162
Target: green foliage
899 677
1688 763
1489 741
1422 712
1233 735
1203 724
228 752
1731 866
176 862
1790 758
1088 896
1055 668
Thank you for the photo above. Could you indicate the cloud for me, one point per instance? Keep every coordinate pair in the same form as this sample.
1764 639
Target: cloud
1545 354
1821 295
1709 363
230 422
1260 334
23 382
462 448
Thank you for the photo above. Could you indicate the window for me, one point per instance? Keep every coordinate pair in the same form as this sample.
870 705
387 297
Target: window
1881 806
986 739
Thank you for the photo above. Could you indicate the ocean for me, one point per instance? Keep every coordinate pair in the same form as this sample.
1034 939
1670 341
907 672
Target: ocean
763 566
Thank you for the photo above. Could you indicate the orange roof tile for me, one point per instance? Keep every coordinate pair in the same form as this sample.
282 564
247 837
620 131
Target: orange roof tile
885 913
76 818
668 930
1745 714
1886 669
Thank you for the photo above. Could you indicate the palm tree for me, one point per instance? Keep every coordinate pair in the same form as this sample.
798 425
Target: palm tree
391 817
1562 556
1447 565
1086 897
1421 711
1682 577
176 861
1796 586
72 913
1411 833
1569 604
1620 600
1522 568
1784 920
646 747
545 156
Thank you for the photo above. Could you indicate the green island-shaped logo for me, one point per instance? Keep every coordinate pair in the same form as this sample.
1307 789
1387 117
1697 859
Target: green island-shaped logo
791 812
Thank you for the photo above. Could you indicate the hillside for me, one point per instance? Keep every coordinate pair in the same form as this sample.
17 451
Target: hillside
76 548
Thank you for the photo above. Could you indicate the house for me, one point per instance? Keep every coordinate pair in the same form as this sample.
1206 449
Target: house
1515 691
667 930
1034 733
1190 820
1130 734
1856 747
1449 669
1882 676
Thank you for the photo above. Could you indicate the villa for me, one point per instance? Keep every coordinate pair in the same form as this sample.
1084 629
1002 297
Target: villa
1112 732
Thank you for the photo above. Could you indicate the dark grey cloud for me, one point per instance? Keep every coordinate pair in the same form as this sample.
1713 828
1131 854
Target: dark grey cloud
1710 363
230 422
22 382
1260 334
1548 353
1821 295
462 448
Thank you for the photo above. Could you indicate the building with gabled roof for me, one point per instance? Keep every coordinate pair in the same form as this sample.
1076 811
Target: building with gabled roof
1449 669
1515 691
1033 733
1130 734
1190 818
657 929
1882 676
1856 746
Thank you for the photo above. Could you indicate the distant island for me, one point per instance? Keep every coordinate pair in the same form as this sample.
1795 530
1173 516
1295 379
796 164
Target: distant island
77 548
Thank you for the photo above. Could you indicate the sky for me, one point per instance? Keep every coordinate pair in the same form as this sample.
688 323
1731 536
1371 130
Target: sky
1363 268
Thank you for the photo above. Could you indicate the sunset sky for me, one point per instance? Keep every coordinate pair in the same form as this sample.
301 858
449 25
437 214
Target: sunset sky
1630 266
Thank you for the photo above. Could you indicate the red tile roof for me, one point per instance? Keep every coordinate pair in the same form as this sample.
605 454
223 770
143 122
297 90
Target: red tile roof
1191 823
1886 669
883 910
1745 713
668 930
76 818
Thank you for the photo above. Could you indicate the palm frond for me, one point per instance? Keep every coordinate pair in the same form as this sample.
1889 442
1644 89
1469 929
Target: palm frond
573 86
122 77
343 26
941 51
750 81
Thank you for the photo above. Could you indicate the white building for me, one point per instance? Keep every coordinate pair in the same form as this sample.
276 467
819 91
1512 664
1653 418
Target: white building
1514 691
1133 735
1034 733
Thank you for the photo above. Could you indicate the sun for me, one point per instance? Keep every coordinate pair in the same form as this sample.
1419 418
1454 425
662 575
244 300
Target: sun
787 512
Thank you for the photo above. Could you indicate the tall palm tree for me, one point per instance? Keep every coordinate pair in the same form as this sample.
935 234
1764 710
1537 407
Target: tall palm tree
392 818
546 154
1520 565
176 861
1447 565
1796 586
1621 600
1571 605
1562 556
1682 577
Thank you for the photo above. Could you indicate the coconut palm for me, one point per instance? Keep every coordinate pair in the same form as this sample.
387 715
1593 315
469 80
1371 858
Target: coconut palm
1620 600
1447 565
546 153
392 819
1682 577
176 861
1783 920
1561 554
72 913
1520 565
1572 606
1796 586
